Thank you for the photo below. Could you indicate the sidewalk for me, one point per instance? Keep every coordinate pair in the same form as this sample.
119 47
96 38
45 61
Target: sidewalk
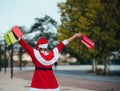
17 84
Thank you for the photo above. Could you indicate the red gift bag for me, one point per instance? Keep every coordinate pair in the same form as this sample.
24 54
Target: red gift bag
87 42
17 32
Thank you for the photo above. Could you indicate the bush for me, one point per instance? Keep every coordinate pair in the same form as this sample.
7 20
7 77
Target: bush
99 71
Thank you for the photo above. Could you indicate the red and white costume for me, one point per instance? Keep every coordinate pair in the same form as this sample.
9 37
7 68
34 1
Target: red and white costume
43 80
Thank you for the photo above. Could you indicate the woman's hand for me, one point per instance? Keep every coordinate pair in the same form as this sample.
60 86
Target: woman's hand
77 35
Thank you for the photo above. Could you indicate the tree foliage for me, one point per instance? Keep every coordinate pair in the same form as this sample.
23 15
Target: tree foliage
43 27
98 19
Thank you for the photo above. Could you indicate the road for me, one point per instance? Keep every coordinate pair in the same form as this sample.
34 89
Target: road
79 79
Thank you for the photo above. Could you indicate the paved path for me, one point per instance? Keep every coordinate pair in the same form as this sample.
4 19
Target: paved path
83 74
70 79
18 84
77 82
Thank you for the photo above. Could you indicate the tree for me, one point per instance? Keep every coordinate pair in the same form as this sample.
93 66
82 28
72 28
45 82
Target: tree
44 27
78 16
97 19
109 22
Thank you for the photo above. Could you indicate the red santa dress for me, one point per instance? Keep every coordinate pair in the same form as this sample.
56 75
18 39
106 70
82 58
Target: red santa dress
43 77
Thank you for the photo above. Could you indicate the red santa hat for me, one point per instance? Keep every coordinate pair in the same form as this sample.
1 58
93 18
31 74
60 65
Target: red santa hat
42 43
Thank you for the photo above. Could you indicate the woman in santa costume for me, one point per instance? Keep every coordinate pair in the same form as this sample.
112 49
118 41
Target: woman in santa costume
43 60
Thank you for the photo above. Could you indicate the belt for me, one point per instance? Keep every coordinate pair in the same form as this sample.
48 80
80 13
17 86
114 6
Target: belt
45 69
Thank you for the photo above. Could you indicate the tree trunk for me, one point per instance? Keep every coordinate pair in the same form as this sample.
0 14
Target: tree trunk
20 61
5 60
11 61
106 68
96 64
93 65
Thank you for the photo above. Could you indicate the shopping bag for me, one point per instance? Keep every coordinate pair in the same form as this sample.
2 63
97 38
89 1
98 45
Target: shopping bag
10 38
17 32
87 42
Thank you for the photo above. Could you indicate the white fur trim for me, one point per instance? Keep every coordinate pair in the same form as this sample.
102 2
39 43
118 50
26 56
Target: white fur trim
65 42
45 62
43 46
35 89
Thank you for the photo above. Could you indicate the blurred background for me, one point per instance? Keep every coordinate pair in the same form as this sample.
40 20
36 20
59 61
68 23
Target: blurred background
57 20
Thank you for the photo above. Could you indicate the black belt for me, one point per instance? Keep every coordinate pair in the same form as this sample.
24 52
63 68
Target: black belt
45 69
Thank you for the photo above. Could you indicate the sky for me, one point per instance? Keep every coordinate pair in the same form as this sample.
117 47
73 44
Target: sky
24 12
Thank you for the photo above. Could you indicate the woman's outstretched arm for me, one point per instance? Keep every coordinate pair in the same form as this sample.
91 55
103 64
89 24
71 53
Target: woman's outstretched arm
77 35
25 46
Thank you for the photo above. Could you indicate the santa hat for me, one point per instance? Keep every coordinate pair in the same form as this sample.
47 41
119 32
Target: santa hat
42 43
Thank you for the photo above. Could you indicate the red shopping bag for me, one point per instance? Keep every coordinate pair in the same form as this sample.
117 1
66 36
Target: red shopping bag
87 42
17 32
